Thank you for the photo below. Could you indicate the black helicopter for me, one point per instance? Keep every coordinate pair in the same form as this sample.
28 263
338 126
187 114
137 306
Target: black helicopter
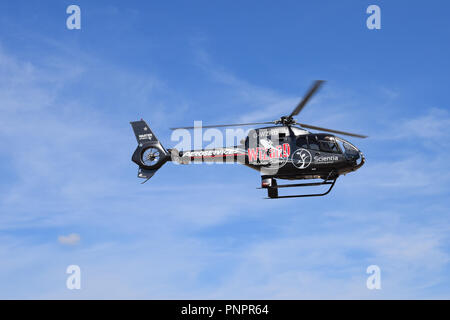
285 150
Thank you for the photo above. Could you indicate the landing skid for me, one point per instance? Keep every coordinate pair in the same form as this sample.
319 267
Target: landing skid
273 191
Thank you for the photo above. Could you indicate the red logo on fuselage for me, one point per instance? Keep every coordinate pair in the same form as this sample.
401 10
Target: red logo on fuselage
265 154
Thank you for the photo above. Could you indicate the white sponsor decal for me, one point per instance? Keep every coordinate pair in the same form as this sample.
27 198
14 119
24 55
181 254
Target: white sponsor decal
265 133
325 159
147 136
209 153
301 158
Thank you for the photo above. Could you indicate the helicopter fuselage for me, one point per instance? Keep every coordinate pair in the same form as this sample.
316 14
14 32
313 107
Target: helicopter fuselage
286 152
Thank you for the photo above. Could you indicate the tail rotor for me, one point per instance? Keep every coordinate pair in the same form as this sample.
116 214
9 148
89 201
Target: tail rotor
149 155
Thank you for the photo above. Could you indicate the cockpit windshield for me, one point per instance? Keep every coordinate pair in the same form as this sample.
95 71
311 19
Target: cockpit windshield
347 147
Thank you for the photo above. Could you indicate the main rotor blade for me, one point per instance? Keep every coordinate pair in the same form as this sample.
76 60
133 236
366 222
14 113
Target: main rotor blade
226 125
331 130
308 96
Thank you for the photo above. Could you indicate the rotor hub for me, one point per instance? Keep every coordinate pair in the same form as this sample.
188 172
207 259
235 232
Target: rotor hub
286 120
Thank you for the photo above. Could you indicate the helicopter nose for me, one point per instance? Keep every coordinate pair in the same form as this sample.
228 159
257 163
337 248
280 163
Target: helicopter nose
362 160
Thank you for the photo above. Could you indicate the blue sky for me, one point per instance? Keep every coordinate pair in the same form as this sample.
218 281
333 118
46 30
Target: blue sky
66 99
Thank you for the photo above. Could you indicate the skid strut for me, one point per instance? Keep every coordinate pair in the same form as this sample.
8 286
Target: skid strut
273 189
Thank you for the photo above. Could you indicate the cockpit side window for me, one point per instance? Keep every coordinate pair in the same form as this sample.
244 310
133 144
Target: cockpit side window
328 146
313 143
302 142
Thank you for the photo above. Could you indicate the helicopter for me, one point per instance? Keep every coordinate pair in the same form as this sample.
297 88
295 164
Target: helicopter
285 150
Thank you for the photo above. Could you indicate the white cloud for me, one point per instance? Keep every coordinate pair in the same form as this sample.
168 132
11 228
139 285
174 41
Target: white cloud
71 239
433 126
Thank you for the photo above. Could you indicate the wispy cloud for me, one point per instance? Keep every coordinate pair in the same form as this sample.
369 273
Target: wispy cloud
71 239
330 107
269 104
433 126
